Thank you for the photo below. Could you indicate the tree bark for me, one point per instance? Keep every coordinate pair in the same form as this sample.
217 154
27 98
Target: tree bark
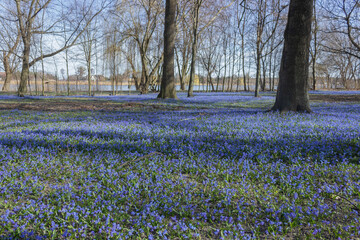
292 93
194 49
8 75
167 88
26 28
25 70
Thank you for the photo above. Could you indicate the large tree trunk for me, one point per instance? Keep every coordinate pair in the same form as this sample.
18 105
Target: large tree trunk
183 79
292 93
24 71
8 75
7 82
143 86
167 89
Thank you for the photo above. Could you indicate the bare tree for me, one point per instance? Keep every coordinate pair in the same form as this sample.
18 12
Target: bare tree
265 30
196 31
111 50
344 19
210 54
241 27
183 42
66 22
87 44
27 12
9 47
140 23
314 46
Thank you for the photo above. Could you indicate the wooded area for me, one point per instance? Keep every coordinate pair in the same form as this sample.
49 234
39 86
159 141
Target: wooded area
219 45
180 119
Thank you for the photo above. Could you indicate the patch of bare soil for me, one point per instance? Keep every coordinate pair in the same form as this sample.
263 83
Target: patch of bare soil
335 98
84 106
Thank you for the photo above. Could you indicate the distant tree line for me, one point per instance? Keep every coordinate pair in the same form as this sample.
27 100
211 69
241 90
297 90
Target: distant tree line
233 45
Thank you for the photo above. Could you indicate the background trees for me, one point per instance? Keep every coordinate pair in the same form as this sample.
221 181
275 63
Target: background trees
9 46
27 14
141 24
229 45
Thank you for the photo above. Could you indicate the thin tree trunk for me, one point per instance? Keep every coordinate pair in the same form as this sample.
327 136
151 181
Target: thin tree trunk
238 74
274 73
56 78
259 31
42 78
243 53
263 83
67 72
96 66
35 79
270 71
225 53
194 49
229 85
42 59
89 75
233 64
315 48
182 71
257 80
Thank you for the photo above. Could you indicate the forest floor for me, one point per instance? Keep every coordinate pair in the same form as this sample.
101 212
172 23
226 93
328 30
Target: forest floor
215 166
76 105
63 104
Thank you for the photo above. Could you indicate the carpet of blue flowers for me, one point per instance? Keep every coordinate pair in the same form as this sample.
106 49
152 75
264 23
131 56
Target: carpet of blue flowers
219 167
